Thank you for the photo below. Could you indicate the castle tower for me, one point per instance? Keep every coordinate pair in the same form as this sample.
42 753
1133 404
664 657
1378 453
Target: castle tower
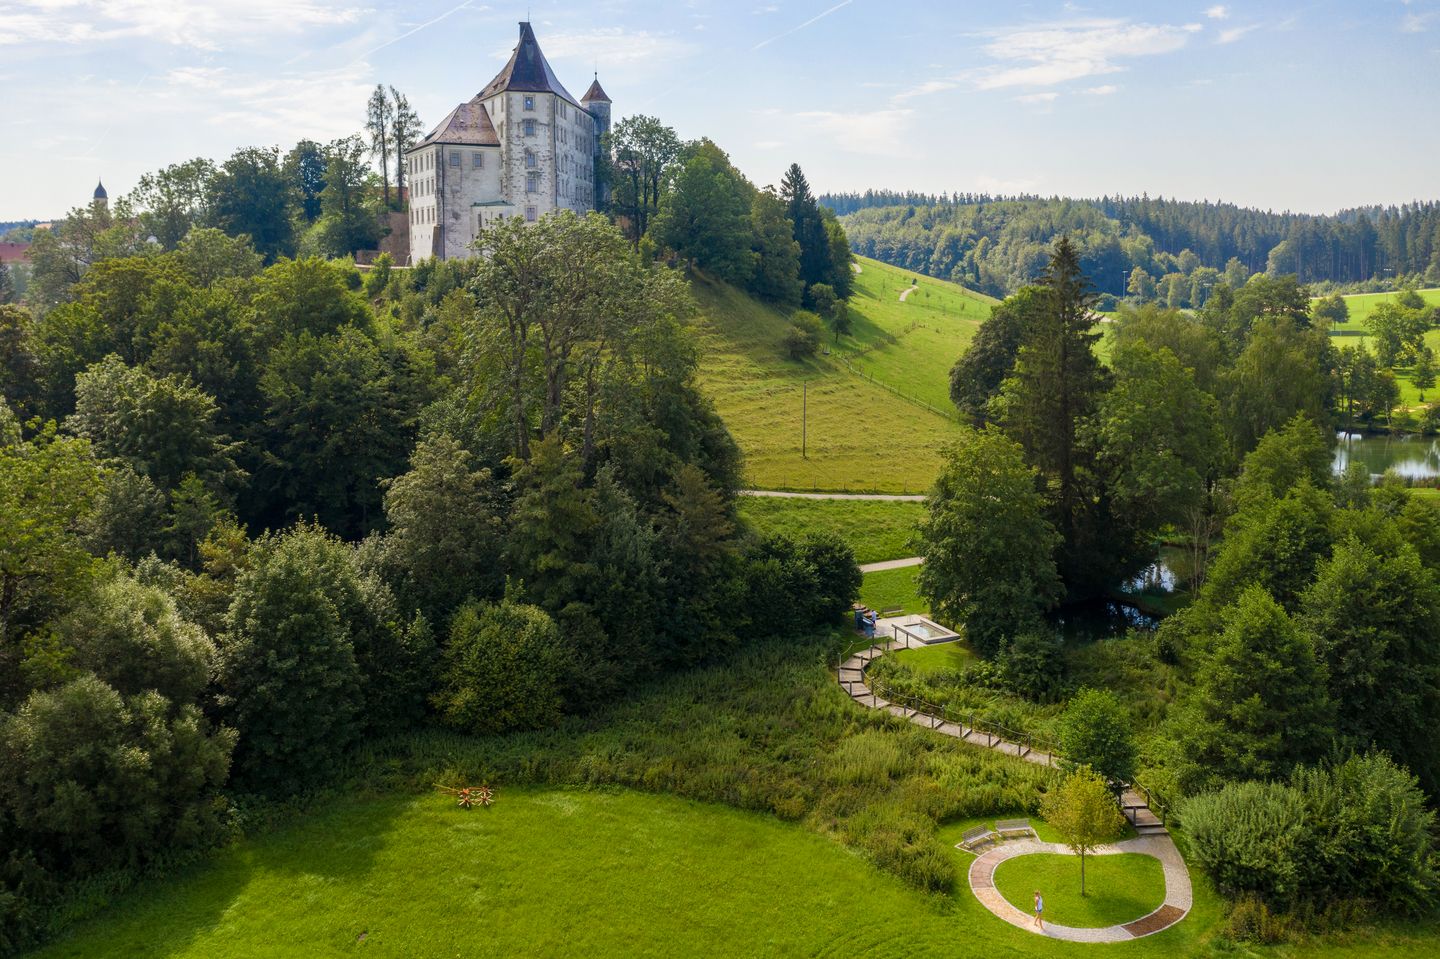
598 103
521 147
101 199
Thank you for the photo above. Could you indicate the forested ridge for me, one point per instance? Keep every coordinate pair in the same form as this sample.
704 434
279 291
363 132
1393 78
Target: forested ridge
998 244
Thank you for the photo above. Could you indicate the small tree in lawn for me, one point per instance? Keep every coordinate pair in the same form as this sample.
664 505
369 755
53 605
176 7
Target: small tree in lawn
1423 373
1083 811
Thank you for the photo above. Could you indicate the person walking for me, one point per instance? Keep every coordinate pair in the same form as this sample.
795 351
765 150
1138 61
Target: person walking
1039 909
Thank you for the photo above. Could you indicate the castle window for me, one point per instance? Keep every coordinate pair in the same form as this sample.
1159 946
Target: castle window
477 160
455 159
529 128
564 110
529 103
530 161
532 183
531 214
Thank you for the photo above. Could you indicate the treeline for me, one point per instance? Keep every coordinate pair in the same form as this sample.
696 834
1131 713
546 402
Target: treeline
689 201
999 244
1301 685
255 514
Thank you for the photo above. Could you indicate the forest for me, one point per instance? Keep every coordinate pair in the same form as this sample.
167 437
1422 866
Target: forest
1144 248
1288 714
258 507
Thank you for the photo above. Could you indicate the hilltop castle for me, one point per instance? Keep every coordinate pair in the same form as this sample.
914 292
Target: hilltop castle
522 147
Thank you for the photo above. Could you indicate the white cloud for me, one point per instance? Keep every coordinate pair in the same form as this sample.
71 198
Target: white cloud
1218 12
1046 56
318 104
1235 33
879 132
1033 98
1103 90
200 24
1417 22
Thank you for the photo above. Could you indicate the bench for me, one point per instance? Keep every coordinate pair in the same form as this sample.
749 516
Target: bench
975 837
1015 827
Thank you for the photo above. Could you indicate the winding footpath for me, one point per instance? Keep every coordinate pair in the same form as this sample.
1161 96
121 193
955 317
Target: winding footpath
905 294
1153 840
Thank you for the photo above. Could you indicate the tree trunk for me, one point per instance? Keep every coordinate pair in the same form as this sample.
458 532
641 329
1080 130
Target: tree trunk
1082 872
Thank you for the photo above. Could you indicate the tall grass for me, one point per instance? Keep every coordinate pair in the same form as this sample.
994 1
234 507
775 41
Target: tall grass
767 730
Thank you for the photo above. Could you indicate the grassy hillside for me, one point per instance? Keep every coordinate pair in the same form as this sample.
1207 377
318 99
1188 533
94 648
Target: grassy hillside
1353 332
911 345
875 529
861 435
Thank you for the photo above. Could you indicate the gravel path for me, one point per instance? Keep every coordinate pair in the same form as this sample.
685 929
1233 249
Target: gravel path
905 293
1153 841
892 564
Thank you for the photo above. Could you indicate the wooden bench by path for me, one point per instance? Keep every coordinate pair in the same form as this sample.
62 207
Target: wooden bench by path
978 836
1015 827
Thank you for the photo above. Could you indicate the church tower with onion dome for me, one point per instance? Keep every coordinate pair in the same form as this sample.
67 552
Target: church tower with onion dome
523 146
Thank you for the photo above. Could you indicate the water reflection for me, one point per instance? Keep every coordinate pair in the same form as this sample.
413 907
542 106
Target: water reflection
1413 457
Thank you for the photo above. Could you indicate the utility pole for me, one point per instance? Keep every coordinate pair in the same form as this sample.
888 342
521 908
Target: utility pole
804 416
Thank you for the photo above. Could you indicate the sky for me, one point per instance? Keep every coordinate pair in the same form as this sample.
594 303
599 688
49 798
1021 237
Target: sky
1306 106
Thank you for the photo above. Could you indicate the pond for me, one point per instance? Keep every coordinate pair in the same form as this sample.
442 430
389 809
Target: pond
1107 618
1413 457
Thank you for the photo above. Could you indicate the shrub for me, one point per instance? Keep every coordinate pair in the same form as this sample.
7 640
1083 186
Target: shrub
134 638
502 669
1250 837
1357 830
802 339
92 780
1032 665
289 679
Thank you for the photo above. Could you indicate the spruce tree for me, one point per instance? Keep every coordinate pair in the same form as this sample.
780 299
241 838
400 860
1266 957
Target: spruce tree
804 212
1055 388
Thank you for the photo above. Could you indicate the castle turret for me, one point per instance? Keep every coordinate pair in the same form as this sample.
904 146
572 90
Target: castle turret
597 103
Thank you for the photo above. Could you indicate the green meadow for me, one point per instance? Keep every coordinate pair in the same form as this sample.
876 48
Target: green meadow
820 424
876 530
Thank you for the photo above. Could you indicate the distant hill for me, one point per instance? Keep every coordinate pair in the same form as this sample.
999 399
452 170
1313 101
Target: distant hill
997 244
878 405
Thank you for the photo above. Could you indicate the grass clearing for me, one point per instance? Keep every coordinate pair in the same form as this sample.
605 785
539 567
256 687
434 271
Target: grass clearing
940 658
894 588
1119 888
876 530
860 436
1353 333
911 345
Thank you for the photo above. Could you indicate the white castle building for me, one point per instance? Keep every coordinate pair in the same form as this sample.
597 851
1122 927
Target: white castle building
522 147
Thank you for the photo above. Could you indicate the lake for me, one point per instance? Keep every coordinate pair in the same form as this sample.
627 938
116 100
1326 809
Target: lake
1414 457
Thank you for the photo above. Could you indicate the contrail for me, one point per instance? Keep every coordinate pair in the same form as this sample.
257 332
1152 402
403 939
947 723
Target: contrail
411 33
814 19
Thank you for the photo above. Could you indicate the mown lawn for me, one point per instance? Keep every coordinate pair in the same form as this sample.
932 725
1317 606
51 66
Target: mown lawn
1354 333
911 345
1119 888
859 437
894 588
876 530
940 658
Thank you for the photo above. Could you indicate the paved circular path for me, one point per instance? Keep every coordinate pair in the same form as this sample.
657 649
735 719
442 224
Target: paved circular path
1152 841
1178 894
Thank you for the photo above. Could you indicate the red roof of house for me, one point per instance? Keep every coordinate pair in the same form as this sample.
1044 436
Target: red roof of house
14 252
